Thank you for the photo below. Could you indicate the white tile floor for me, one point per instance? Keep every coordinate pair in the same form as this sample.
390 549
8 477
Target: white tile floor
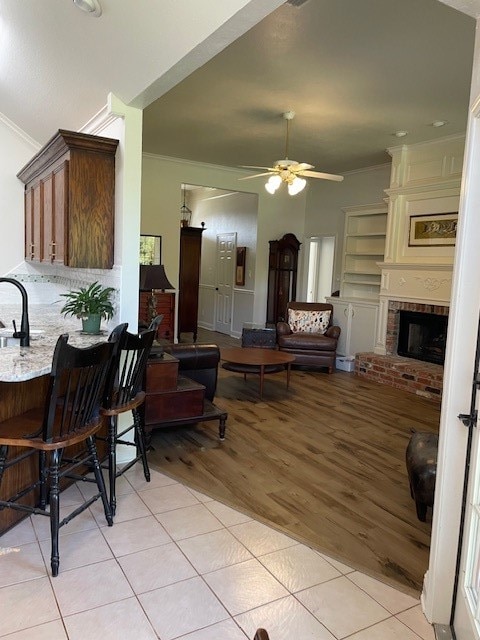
177 564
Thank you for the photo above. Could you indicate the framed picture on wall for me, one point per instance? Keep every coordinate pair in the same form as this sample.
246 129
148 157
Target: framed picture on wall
438 229
240 266
150 249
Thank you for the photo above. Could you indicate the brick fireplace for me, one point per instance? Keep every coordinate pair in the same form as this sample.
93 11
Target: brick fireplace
416 270
393 319
415 376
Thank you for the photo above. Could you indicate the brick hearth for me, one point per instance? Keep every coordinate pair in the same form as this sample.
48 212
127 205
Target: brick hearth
423 378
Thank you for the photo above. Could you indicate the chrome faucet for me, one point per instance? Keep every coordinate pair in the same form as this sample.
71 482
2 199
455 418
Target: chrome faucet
24 333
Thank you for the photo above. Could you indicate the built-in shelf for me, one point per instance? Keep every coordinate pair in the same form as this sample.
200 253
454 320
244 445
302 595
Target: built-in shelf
364 247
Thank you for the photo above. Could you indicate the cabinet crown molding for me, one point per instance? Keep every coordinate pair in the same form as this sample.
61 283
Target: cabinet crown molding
62 142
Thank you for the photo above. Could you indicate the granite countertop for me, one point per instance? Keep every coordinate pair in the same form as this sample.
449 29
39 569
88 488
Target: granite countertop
46 325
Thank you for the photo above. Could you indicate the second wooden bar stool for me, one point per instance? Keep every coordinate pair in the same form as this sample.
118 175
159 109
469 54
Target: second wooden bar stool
125 393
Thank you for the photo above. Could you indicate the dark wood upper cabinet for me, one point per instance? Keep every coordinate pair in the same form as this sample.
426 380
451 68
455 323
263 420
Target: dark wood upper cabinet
282 276
69 201
189 278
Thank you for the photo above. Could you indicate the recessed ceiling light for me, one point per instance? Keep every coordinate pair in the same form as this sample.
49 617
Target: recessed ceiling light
401 134
92 7
439 123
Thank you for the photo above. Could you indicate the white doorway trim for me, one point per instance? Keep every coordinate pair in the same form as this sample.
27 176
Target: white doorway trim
320 266
464 311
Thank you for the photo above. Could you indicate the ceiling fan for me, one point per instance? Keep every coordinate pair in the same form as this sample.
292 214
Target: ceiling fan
289 171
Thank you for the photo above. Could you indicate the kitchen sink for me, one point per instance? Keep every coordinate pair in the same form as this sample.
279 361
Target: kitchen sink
9 342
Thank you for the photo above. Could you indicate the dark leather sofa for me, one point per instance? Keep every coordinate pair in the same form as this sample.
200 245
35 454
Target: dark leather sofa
198 362
310 349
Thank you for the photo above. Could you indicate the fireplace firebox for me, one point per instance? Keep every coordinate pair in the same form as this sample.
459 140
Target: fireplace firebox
422 336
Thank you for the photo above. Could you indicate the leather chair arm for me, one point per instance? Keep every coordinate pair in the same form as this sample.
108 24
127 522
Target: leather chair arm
333 332
283 329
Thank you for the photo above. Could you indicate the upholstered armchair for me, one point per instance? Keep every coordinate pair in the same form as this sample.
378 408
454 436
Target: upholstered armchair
309 334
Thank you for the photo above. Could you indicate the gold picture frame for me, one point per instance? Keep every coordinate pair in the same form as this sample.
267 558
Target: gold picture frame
240 266
438 229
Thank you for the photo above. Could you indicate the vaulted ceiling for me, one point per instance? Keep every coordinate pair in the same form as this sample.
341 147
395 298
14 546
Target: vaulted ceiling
354 71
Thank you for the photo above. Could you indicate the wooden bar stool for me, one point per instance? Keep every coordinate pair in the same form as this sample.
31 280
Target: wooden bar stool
125 393
70 417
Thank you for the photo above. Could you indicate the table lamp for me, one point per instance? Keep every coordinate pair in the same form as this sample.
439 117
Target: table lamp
153 278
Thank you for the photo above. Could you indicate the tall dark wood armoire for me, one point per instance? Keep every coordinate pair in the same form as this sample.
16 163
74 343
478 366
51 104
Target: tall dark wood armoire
189 278
282 276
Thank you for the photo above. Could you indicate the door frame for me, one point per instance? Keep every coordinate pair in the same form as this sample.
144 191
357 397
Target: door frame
317 239
438 592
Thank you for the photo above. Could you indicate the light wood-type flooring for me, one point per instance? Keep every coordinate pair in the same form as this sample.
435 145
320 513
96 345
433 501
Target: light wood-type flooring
323 462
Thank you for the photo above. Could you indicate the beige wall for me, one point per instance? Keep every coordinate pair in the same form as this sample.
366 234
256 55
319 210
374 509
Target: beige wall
162 198
17 150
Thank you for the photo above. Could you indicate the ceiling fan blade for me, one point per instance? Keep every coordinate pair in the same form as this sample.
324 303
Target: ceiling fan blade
249 166
318 174
302 166
222 195
258 175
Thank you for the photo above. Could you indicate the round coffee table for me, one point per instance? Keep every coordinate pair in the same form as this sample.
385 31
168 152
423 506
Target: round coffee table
254 360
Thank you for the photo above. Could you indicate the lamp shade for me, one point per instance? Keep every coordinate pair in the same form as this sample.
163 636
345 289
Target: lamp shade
153 276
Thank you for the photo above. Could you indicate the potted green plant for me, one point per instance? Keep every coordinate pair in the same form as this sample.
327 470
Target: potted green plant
91 304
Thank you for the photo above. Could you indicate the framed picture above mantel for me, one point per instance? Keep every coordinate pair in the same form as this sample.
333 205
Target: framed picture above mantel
438 229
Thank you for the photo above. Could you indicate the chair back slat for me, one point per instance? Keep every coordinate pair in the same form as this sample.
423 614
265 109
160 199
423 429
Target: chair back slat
77 387
126 378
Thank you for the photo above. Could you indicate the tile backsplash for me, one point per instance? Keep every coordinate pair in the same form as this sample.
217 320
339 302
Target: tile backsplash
45 283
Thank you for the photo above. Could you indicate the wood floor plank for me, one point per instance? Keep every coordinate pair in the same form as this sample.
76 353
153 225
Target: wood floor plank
323 462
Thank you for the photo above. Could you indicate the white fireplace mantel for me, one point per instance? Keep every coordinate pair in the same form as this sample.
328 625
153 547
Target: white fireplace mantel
427 283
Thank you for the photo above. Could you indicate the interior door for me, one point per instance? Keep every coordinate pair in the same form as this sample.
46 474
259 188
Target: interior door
467 605
225 259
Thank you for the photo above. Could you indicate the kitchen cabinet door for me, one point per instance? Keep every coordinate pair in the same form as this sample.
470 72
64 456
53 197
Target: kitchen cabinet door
32 223
69 201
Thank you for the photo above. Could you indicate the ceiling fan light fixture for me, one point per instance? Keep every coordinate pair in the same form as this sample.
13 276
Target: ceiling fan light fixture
92 7
297 185
273 183
288 171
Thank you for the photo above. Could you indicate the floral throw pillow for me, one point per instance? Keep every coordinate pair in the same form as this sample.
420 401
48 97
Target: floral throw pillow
309 321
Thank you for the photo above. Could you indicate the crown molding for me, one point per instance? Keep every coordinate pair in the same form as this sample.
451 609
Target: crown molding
428 143
206 165
19 132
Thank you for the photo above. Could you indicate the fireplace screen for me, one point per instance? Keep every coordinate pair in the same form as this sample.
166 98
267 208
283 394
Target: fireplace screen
422 336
